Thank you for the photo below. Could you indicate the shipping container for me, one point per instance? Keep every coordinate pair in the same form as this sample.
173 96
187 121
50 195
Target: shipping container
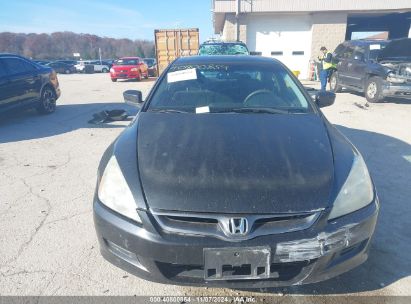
171 44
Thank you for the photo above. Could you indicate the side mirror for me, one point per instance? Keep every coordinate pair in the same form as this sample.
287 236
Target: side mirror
325 99
133 98
312 92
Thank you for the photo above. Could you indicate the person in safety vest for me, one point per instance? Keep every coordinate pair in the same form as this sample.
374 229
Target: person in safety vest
326 67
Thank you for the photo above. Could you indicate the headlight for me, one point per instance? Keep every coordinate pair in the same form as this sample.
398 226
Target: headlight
357 191
134 69
112 70
393 78
115 193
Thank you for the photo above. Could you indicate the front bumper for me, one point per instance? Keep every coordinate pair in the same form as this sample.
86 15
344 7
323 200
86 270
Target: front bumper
394 90
152 72
300 257
125 75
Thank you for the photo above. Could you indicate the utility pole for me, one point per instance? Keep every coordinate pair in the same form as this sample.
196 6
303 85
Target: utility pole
237 17
99 53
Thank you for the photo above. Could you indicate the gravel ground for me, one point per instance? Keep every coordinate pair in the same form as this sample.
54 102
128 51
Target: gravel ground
48 171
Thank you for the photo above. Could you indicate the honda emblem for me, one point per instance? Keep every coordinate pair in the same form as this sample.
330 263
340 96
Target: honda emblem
238 226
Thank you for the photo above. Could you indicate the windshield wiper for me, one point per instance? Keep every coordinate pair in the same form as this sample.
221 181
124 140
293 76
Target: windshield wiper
253 110
168 111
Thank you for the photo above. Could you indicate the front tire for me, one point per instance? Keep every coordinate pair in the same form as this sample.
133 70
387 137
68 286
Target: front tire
68 72
113 79
47 102
373 90
104 70
334 83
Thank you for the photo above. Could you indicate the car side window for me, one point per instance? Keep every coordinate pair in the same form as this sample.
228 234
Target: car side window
348 52
359 53
339 51
18 66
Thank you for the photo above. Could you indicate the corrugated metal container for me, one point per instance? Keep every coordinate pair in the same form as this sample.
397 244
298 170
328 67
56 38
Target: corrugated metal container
171 44
249 6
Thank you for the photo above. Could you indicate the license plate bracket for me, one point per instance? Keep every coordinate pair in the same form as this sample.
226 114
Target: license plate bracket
237 263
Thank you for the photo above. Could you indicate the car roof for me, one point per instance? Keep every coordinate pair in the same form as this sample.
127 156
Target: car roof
364 42
223 42
11 55
227 59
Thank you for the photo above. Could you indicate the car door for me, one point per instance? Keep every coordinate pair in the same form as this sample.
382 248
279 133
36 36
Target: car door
5 92
342 66
58 67
98 66
24 82
356 66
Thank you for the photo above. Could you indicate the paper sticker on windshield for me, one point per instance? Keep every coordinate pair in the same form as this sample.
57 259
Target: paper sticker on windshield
201 110
375 47
190 74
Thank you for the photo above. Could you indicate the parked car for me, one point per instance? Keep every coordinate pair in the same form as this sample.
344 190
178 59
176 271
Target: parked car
129 68
109 62
223 48
62 68
98 66
70 62
379 69
152 66
80 66
24 83
41 62
235 178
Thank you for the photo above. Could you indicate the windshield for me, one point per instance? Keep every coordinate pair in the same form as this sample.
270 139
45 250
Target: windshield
229 88
223 49
396 50
149 62
126 62
375 50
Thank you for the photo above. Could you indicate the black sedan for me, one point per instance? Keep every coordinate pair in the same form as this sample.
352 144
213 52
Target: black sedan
24 83
230 175
152 66
62 68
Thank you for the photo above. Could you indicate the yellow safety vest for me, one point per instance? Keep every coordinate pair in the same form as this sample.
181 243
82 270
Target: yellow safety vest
326 65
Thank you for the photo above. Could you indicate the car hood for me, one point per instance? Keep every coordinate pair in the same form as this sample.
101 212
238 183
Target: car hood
234 163
396 50
123 67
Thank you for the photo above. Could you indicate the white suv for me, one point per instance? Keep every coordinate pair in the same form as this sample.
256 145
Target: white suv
99 66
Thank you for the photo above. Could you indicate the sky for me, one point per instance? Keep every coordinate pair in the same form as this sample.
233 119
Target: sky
133 19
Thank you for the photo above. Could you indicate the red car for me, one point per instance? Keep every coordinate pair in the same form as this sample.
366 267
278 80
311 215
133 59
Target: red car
129 68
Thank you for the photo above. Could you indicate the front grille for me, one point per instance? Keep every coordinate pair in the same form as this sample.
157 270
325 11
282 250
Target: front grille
219 225
195 273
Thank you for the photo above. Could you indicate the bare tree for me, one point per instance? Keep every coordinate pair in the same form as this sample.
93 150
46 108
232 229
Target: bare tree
62 45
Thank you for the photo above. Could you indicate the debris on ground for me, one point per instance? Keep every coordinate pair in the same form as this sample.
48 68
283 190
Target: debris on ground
109 116
364 107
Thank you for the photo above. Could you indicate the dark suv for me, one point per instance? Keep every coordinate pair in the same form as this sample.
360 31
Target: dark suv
24 83
379 69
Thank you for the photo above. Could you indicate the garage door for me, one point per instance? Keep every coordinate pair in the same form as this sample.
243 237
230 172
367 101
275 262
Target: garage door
284 37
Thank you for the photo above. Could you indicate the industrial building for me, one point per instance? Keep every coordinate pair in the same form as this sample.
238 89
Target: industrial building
294 30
